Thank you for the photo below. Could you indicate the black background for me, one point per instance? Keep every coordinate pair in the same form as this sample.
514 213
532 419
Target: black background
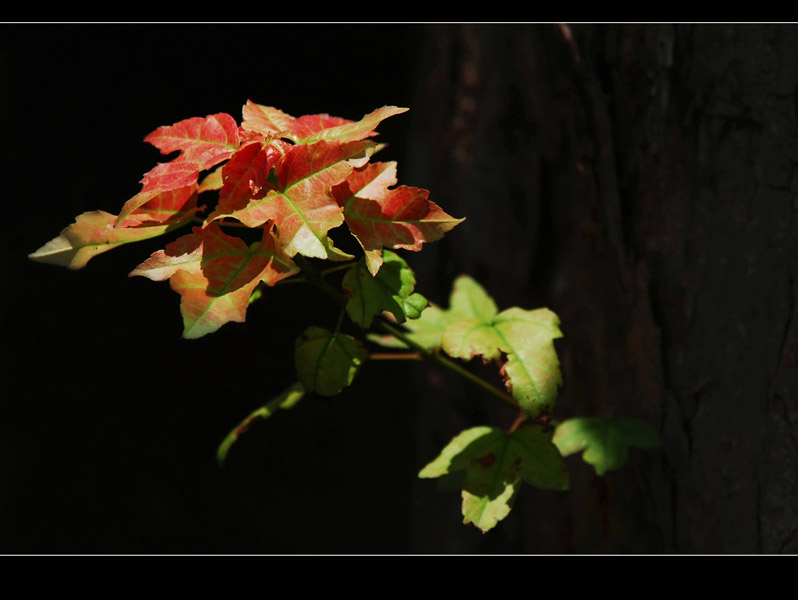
636 179
109 420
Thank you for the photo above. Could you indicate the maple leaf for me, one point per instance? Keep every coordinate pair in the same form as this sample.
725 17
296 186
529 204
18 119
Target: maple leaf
202 142
391 290
467 300
266 120
604 443
302 206
379 217
94 232
183 253
307 129
495 463
323 127
173 205
244 175
532 373
212 181
215 275
473 326
327 362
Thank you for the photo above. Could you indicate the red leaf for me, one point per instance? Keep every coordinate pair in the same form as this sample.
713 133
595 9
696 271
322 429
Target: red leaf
203 142
303 208
168 176
215 275
164 207
136 205
245 174
380 217
267 120
304 128
184 253
312 128
316 128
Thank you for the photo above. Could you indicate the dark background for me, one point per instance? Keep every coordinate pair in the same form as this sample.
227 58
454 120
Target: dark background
638 180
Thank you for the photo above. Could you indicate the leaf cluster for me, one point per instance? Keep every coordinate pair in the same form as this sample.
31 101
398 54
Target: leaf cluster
295 178
294 181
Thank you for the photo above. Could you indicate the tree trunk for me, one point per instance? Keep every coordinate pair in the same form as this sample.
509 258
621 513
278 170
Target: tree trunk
640 181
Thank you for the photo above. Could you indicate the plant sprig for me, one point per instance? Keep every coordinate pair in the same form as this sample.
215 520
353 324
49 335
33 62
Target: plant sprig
294 179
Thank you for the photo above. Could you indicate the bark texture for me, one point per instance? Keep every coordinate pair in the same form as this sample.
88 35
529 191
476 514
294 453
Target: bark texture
641 182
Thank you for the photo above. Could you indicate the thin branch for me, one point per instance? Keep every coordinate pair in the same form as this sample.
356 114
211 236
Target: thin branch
449 364
522 416
326 272
340 321
298 279
395 356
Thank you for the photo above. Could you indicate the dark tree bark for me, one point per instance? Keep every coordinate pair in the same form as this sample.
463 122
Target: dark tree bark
640 181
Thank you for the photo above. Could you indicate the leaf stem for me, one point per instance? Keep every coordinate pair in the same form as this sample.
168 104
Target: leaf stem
522 416
395 356
449 364
298 279
315 278
326 272
340 320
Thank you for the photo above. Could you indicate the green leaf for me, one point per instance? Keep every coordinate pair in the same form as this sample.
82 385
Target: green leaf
414 305
532 370
390 290
327 362
472 326
496 463
426 331
469 300
284 400
605 443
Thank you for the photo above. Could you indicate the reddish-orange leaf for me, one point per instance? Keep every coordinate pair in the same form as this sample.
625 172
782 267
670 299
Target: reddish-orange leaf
393 218
245 174
404 218
184 253
266 120
303 207
164 207
347 131
305 129
203 142
270 121
141 200
168 176
204 313
215 275
370 182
